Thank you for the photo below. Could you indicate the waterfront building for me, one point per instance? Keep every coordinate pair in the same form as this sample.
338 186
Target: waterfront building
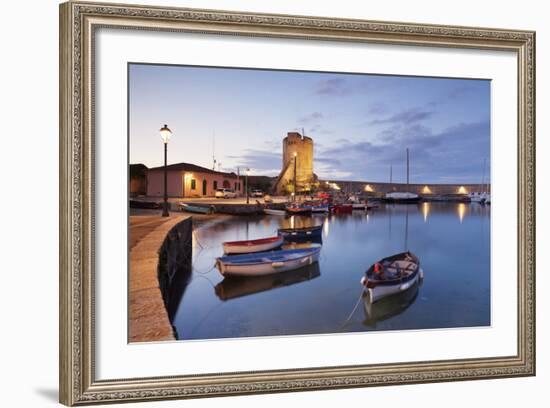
138 179
190 180
297 158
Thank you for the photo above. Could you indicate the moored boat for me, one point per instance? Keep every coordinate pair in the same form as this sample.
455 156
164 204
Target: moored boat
265 263
253 245
401 198
196 208
298 209
301 233
359 206
272 211
392 275
319 208
342 208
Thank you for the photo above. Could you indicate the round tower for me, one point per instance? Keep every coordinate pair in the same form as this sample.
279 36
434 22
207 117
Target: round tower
299 148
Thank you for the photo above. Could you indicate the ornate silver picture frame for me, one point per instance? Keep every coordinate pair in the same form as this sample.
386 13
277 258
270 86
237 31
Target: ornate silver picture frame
79 22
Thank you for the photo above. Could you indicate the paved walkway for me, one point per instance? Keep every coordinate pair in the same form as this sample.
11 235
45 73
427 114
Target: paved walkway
147 314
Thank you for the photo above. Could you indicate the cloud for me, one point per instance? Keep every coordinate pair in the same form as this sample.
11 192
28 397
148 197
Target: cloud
311 117
452 95
405 117
261 162
455 154
332 87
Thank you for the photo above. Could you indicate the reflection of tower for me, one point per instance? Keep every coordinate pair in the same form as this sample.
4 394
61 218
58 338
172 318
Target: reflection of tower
300 148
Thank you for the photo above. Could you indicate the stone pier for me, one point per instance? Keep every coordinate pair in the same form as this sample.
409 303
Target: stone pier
157 245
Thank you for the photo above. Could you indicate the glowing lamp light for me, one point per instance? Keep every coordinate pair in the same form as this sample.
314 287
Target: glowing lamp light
427 190
461 209
165 134
368 188
462 190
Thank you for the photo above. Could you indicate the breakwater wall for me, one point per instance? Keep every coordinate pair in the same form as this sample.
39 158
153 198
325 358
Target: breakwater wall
160 267
422 189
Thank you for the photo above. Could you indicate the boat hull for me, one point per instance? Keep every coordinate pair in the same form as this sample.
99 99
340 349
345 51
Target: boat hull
270 211
196 209
301 233
380 288
380 292
299 210
268 266
247 247
342 209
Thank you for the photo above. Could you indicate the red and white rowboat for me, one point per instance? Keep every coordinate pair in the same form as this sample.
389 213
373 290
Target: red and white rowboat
254 245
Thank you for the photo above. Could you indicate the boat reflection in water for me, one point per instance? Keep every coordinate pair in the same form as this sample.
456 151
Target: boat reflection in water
388 307
235 287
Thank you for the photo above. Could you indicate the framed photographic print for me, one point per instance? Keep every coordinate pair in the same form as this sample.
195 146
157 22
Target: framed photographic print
256 203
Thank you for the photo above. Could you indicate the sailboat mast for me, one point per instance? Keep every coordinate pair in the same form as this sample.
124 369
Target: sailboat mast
391 176
407 169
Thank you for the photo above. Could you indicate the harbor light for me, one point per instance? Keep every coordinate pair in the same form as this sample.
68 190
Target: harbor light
369 189
426 190
165 134
462 190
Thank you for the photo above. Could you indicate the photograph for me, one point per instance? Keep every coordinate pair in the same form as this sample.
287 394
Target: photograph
271 202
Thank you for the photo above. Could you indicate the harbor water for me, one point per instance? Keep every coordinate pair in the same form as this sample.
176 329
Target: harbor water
452 241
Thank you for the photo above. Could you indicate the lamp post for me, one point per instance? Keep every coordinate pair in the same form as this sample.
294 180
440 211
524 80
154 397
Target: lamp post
246 185
295 159
165 134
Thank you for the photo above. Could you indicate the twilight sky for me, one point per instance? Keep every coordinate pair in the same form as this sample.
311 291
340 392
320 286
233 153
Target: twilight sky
360 124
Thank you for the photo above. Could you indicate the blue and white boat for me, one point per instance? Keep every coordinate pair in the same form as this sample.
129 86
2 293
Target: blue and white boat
198 209
301 233
265 263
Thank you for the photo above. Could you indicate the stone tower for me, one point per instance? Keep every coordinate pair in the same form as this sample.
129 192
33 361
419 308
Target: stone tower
300 148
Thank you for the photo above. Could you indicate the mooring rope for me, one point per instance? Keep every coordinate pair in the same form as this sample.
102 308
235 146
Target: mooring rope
203 272
353 311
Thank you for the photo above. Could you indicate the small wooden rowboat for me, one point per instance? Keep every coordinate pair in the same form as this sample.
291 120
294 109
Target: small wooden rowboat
391 275
265 263
301 233
272 211
196 208
254 245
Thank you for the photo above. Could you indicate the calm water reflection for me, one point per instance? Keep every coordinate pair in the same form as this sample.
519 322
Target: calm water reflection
451 240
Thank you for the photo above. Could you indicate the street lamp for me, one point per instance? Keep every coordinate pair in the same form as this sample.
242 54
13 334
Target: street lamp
246 185
165 134
295 159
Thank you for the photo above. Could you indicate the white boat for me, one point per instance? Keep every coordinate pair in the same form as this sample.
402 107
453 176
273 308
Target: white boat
320 208
391 275
265 263
477 197
358 206
398 196
254 245
271 211
401 197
